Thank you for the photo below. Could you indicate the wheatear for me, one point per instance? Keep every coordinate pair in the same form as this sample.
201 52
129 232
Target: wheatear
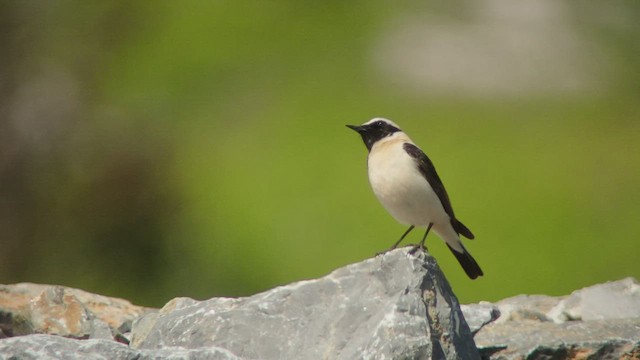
406 183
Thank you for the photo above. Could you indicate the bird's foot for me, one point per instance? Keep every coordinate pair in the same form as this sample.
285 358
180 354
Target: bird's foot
388 250
415 248
385 251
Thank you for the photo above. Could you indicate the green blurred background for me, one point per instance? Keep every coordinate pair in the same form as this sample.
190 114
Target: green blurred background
155 149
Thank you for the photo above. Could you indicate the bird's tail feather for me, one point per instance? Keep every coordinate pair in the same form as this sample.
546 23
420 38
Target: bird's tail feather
461 229
467 261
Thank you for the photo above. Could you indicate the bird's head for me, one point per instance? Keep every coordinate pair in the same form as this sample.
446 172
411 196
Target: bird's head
375 130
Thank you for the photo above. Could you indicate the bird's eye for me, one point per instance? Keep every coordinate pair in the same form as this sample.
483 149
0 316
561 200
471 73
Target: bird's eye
380 123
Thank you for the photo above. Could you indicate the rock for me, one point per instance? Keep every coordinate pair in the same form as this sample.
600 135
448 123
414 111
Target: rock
58 312
45 309
600 321
395 306
40 346
43 347
611 300
143 326
479 315
528 339
526 307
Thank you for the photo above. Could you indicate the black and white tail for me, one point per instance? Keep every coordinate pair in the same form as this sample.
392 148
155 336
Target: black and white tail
467 261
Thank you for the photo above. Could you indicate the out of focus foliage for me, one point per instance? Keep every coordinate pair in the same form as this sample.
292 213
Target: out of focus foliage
150 150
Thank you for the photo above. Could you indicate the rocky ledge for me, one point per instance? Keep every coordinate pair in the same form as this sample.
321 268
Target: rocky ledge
394 306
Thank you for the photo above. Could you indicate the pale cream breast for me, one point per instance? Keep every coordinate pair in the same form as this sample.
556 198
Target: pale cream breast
396 139
399 185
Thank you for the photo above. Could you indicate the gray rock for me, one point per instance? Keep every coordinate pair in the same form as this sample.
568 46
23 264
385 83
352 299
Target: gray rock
44 347
601 321
611 300
528 339
143 326
526 307
479 315
395 306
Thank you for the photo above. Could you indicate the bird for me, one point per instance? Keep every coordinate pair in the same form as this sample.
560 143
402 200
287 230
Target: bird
407 185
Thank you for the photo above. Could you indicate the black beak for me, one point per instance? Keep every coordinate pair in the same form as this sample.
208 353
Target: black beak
357 128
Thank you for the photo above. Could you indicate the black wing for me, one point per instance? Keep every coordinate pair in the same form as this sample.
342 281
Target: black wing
429 172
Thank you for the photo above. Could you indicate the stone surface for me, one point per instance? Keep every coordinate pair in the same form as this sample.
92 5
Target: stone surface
479 315
43 347
394 306
526 307
529 339
611 300
600 321
47 309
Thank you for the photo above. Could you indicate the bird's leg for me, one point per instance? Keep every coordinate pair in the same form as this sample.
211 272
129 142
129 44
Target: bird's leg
424 238
399 241
402 237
